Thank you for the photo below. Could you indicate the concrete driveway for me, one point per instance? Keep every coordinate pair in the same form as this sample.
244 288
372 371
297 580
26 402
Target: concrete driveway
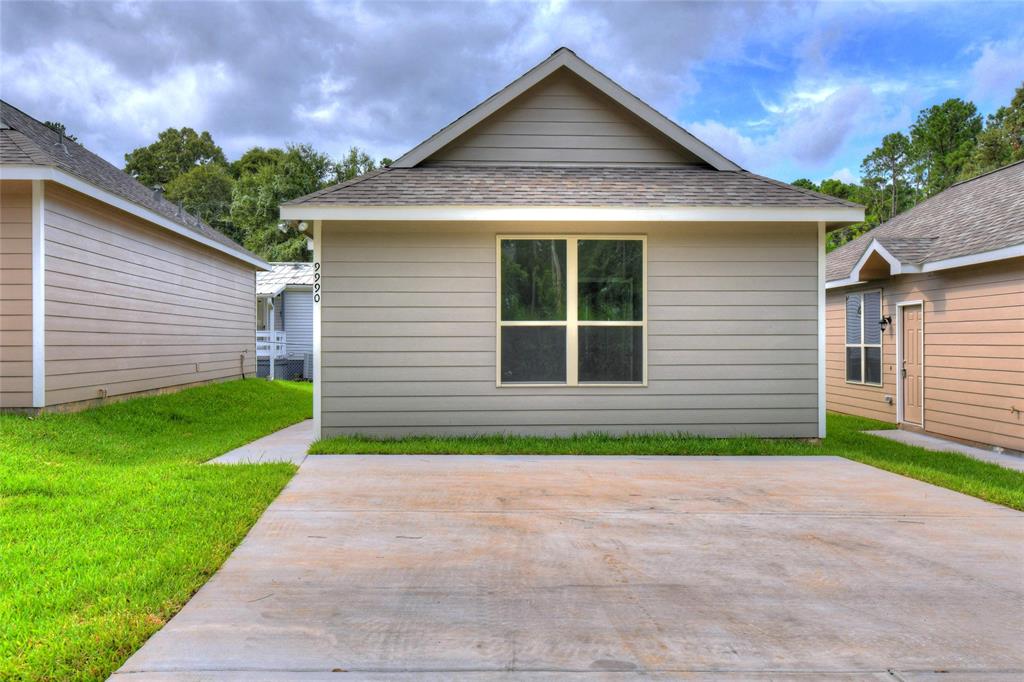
540 568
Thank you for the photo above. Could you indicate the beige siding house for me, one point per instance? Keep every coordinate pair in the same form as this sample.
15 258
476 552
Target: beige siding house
925 318
106 289
565 259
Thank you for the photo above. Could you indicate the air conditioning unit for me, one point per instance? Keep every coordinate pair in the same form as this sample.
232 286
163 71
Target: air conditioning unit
307 367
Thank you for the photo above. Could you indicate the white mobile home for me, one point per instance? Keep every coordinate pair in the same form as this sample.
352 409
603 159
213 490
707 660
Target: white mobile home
284 321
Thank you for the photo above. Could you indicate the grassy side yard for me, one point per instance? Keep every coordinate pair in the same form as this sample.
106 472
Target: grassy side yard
949 470
108 524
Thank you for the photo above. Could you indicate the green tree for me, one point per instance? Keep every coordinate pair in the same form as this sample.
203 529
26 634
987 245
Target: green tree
60 128
353 164
1002 141
175 151
254 159
806 184
205 191
257 196
888 166
943 138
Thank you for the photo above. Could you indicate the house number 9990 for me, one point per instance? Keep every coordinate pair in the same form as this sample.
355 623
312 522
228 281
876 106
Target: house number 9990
316 282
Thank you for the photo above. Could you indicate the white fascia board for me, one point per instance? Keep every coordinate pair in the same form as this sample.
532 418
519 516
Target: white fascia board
841 214
848 282
564 58
896 267
1015 251
29 172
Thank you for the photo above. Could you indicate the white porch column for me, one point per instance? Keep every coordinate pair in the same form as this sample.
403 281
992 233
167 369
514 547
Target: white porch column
270 328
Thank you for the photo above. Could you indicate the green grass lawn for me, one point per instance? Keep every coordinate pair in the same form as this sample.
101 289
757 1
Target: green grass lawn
949 470
108 524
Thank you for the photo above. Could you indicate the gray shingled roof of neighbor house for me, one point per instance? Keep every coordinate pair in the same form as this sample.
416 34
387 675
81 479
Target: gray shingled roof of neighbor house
283 275
979 215
566 186
26 141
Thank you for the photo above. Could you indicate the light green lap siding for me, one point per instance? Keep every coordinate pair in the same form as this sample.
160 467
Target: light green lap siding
408 325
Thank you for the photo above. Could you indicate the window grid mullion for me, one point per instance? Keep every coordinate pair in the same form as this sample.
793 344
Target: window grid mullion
863 353
572 346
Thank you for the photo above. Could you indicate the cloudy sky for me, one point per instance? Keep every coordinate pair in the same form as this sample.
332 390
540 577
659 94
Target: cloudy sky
789 90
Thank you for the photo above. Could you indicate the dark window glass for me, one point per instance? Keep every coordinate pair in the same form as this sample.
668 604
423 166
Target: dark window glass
872 317
611 354
853 364
533 280
533 355
611 287
873 365
853 318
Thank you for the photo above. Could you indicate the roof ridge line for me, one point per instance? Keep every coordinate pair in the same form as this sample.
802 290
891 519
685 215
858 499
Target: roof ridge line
804 190
981 175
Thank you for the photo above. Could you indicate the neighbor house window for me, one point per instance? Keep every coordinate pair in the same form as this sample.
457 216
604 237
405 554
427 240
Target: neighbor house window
864 338
571 310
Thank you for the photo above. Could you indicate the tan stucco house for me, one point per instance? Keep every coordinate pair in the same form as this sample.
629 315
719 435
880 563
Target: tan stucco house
563 258
926 315
106 288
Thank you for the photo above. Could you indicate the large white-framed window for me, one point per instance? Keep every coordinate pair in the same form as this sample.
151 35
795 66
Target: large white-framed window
572 310
864 338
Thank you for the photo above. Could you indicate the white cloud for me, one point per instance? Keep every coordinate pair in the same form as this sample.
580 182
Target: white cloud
75 82
844 175
998 71
809 124
813 122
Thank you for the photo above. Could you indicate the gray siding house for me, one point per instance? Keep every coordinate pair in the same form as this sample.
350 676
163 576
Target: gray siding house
284 321
563 259
107 290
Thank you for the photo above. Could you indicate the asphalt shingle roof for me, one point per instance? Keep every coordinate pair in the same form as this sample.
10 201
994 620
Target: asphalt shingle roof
282 275
565 186
24 140
983 214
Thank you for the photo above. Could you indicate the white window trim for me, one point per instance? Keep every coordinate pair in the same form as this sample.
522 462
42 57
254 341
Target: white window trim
571 323
862 345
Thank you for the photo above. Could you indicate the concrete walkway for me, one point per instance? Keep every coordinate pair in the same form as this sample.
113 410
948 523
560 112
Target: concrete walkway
929 442
609 568
287 445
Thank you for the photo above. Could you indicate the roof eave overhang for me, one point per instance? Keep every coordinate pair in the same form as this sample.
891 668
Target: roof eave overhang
52 174
1006 253
832 216
565 59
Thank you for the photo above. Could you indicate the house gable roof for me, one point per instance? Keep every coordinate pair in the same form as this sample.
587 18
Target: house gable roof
977 220
28 147
682 179
564 59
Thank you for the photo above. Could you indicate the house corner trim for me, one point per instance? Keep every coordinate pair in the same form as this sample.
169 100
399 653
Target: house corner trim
38 294
821 328
318 251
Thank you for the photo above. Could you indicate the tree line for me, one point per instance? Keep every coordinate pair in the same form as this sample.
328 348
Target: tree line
947 143
241 198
